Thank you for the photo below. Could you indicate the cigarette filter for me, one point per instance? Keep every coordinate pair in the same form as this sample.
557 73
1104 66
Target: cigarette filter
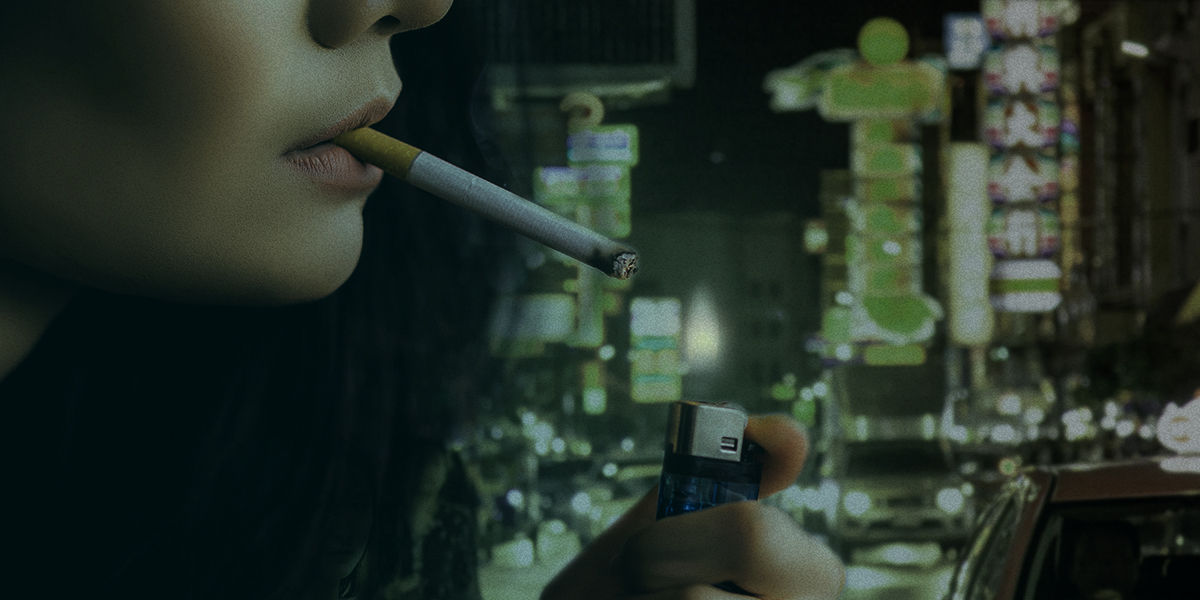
449 182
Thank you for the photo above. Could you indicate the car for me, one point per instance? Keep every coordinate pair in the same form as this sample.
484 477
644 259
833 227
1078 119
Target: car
897 490
1114 531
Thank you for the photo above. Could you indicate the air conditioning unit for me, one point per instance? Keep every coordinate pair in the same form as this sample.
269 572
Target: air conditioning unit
621 50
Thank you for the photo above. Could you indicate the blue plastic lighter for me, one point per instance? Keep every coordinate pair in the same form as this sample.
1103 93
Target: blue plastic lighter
708 461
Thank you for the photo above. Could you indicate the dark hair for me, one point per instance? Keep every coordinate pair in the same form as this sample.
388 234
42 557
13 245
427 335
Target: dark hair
205 452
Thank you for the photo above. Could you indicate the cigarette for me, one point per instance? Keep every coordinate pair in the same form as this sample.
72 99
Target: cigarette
449 182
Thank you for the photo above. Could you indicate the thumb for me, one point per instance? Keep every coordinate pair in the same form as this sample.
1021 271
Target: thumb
786 447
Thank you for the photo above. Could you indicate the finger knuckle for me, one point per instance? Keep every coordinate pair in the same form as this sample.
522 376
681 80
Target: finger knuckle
756 521
758 527
745 517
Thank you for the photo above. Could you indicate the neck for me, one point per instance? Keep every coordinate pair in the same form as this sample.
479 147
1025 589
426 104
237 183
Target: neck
29 301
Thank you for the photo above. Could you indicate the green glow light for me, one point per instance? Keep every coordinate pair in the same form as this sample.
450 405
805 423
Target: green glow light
883 41
805 412
904 314
907 355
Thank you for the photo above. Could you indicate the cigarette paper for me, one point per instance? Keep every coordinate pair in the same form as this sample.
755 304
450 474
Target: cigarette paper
449 182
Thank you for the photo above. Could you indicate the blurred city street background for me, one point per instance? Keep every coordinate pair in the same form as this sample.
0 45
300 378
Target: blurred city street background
954 239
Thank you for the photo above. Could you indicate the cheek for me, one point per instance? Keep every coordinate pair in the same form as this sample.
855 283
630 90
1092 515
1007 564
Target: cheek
151 166
203 75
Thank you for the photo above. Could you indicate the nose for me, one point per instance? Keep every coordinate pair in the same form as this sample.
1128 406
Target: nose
335 23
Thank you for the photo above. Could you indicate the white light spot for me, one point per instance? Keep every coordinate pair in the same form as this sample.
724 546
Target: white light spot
1004 434
523 552
1034 416
515 499
595 401
1009 404
1134 49
1146 432
867 578
856 503
1125 428
581 503
702 332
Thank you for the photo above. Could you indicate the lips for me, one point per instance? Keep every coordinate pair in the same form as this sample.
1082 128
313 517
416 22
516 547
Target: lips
333 167
368 114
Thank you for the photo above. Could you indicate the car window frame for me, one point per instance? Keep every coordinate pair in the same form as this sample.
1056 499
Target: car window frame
1001 530
967 572
1048 535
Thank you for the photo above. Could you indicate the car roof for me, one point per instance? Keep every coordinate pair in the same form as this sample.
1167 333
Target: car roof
1156 477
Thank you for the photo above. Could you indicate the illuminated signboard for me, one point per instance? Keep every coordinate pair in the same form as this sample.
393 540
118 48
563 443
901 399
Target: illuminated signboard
1178 429
1022 69
522 325
1019 19
603 191
965 40
897 91
884 313
1022 74
1012 123
1023 232
656 364
1022 177
971 320
605 144
1025 285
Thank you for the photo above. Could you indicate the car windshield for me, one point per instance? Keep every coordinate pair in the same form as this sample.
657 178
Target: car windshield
1119 550
885 458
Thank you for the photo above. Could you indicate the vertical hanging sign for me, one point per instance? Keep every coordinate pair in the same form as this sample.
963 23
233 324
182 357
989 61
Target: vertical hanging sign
884 315
594 190
1022 127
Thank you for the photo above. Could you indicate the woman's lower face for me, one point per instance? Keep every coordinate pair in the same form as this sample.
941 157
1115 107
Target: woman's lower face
147 147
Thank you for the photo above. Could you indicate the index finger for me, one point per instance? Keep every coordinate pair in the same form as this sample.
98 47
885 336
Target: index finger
757 547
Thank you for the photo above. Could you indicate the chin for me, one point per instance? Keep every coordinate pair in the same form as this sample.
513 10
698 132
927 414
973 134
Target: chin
301 283
292 273
291 279
310 291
